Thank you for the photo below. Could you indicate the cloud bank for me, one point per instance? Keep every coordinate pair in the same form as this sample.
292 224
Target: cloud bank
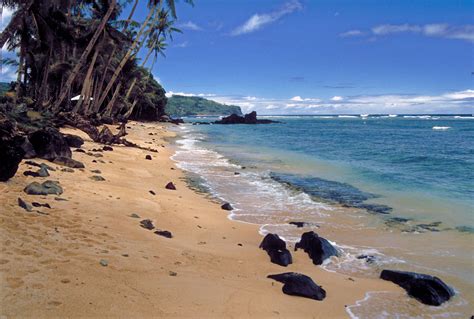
257 21
440 30
449 102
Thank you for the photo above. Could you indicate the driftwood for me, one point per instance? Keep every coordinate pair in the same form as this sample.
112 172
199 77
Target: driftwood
104 136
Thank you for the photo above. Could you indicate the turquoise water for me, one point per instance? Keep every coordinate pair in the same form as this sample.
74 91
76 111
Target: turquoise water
417 170
400 189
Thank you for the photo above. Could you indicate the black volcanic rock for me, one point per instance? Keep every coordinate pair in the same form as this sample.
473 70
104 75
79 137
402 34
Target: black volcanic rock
46 188
164 233
170 186
147 224
318 248
227 206
427 289
49 144
296 284
250 118
276 249
11 155
73 140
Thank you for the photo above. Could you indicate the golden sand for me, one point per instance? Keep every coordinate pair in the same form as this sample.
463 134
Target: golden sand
50 264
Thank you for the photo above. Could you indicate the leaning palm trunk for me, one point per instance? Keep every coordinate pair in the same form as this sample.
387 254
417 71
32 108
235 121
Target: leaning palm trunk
135 78
127 56
110 105
84 56
130 111
87 81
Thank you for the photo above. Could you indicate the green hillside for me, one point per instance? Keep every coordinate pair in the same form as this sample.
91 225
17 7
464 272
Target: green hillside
4 87
179 105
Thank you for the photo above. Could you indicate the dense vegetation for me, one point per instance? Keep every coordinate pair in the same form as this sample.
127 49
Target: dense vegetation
179 105
80 48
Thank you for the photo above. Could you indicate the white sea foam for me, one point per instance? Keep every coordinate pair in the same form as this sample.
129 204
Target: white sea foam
441 128
392 115
464 117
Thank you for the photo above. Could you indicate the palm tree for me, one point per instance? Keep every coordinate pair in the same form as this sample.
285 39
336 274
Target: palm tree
84 55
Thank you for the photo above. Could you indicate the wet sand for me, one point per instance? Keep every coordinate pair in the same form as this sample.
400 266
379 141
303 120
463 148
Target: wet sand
50 264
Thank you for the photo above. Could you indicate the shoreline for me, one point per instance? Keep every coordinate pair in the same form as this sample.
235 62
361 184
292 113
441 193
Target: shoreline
50 264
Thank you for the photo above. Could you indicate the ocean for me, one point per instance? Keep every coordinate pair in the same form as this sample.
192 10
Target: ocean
389 191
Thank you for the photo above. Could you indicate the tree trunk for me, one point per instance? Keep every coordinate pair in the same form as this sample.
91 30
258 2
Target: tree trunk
84 55
126 57
110 106
86 84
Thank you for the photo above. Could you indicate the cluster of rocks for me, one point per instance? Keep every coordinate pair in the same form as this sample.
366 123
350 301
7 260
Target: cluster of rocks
250 118
427 289
148 224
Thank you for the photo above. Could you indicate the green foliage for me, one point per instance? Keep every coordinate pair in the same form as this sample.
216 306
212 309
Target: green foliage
179 105
4 87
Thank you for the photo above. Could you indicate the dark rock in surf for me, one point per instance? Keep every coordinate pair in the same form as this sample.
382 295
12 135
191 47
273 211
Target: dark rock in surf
296 284
227 206
276 249
73 140
170 186
250 118
427 289
298 224
49 144
318 248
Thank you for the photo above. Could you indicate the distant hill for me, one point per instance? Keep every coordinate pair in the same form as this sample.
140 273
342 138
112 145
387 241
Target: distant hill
4 87
179 105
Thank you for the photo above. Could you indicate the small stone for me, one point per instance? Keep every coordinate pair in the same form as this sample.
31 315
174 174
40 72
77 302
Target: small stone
164 233
134 215
147 224
35 204
148 157
97 178
67 170
152 192
96 171
107 148
104 262
79 150
173 274
171 186
24 205
239 244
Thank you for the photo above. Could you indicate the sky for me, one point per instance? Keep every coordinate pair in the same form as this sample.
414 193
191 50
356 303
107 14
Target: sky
322 57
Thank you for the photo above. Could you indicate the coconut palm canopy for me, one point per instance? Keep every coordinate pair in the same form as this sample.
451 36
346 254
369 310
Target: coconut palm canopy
81 51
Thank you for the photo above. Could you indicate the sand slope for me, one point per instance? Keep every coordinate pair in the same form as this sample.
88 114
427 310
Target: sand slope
50 264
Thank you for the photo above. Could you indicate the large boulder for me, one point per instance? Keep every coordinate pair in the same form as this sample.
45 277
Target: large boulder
49 143
296 284
276 249
250 118
318 248
11 155
11 152
427 289
73 140
46 188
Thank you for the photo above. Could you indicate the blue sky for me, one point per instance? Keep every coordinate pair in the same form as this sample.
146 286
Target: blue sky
301 56
333 56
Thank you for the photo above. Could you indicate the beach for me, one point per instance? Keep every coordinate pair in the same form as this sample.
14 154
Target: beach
88 257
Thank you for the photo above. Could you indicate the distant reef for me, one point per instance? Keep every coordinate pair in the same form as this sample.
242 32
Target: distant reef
179 105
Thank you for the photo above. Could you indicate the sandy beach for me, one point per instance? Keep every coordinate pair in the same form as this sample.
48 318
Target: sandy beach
88 257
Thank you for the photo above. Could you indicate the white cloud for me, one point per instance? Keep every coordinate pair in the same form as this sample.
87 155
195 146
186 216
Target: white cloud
184 44
449 102
441 30
297 98
351 33
257 21
189 26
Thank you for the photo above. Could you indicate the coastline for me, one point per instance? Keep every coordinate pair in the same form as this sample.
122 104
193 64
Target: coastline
50 264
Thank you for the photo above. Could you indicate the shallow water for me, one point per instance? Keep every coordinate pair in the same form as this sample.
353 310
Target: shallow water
331 172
